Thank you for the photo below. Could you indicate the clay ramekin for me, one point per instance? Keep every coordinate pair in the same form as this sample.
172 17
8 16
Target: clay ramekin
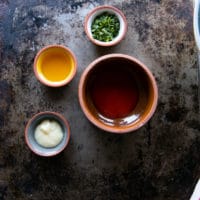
49 55
98 11
30 131
116 65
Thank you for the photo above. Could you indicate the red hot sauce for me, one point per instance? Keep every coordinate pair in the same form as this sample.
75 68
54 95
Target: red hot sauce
114 93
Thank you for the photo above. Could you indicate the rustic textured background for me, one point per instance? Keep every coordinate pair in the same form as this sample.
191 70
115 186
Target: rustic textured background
161 161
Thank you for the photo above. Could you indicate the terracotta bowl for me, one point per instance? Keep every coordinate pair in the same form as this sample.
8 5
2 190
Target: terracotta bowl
118 93
97 11
55 65
30 134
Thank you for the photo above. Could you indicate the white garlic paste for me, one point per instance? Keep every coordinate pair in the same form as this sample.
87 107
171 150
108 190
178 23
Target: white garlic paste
48 133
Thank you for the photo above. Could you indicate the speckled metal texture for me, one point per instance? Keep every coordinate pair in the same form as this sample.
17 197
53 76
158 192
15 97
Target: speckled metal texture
160 161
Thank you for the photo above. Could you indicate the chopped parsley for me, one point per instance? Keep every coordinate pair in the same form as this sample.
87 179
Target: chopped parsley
105 27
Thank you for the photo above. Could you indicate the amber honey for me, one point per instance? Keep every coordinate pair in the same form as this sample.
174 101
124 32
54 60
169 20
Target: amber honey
55 65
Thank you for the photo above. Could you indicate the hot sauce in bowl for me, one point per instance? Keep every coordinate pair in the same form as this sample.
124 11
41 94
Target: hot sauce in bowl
114 93
118 93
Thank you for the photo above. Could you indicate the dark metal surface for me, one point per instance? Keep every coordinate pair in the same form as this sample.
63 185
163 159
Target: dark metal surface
158 162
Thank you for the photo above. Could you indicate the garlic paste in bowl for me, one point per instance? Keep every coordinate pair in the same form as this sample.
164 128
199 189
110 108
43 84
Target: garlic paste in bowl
47 133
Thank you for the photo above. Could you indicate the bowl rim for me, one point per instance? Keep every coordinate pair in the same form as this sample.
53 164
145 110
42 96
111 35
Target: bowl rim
35 116
99 124
59 83
196 23
114 10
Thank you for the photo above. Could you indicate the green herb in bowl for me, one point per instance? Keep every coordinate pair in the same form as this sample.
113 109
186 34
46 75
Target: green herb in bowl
105 27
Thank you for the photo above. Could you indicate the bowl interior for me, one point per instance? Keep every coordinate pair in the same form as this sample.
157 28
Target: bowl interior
118 93
55 64
32 143
101 10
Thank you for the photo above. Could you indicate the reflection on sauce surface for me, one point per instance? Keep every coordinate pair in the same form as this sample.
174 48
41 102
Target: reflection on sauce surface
119 122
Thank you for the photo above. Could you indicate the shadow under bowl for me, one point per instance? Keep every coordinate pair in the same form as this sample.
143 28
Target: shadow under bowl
30 132
118 93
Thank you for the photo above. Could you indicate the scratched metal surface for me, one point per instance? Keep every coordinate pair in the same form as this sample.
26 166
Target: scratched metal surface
158 162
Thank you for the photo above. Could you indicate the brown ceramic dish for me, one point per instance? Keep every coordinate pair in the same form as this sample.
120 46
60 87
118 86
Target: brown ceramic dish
30 131
55 65
118 93
97 11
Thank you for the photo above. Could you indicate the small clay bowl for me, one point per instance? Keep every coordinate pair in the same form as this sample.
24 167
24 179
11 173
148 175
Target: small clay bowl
55 65
118 93
99 10
30 132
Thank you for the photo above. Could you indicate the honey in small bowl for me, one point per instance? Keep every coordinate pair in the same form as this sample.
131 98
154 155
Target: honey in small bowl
55 65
